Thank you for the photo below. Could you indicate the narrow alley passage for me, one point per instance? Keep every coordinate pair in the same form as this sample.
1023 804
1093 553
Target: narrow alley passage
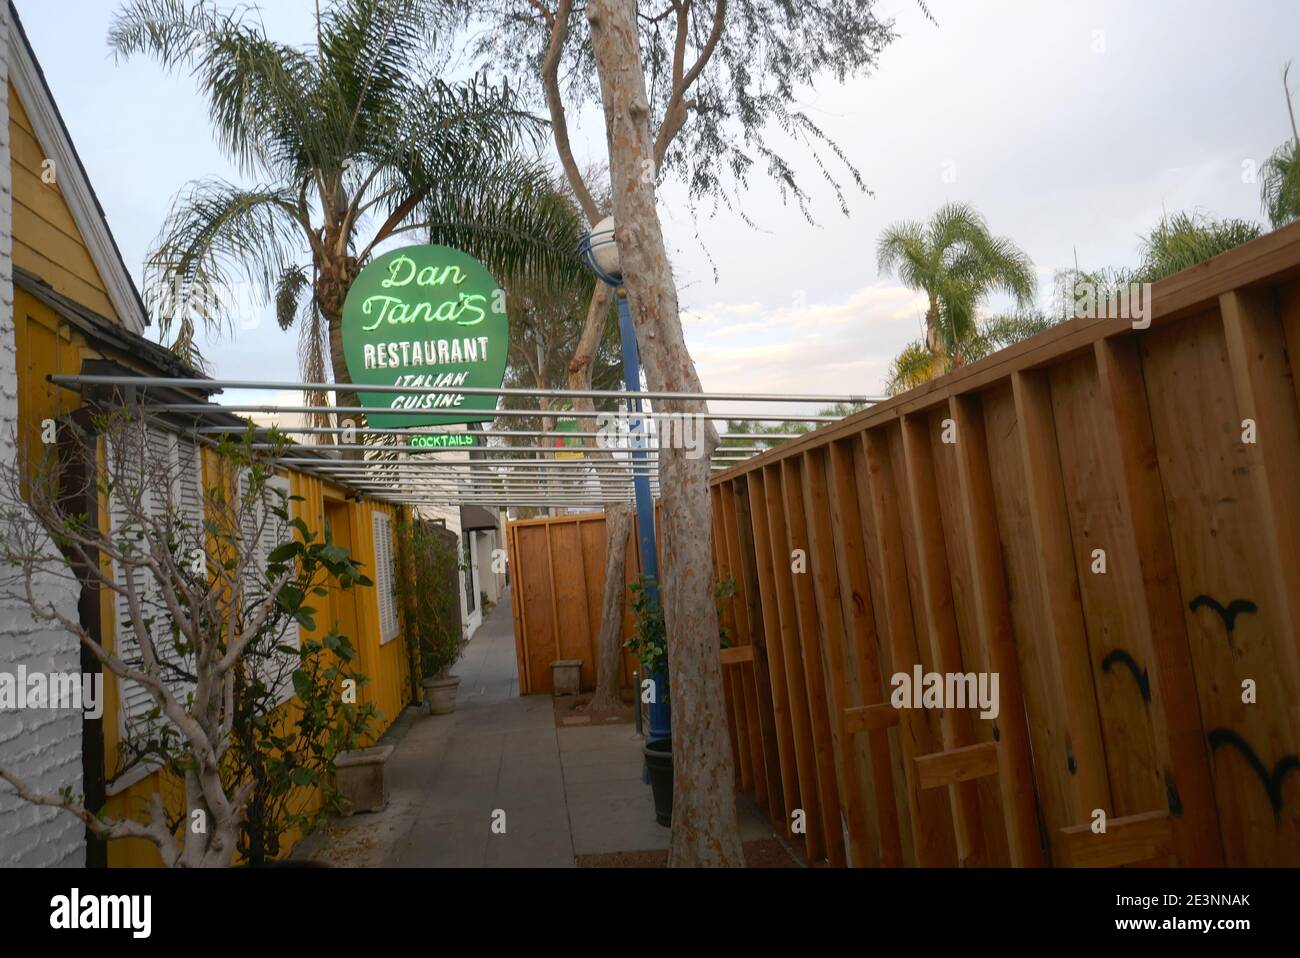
564 792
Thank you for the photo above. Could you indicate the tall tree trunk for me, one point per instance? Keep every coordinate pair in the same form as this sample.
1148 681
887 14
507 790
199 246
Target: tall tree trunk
342 397
334 277
609 648
933 339
339 363
705 831
548 425
609 645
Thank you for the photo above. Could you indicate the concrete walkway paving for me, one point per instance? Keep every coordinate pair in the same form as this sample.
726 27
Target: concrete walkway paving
560 792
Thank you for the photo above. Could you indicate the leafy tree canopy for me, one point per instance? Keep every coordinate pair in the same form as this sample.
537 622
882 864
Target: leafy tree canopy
749 61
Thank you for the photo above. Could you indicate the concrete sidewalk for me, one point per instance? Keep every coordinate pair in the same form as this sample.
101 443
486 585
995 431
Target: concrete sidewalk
563 792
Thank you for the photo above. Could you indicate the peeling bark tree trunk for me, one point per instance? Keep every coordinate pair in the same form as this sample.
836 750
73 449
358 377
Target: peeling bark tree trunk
704 831
609 648
609 645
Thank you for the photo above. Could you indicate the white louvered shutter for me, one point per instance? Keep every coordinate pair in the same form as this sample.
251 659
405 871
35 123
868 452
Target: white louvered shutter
264 532
166 469
384 579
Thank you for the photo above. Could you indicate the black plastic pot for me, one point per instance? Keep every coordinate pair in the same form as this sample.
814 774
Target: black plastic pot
659 762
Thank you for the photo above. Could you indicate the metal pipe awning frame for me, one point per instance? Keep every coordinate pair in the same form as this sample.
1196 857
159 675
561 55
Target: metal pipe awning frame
499 474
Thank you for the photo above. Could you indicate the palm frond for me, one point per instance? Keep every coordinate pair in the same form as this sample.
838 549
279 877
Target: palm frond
288 294
999 264
258 91
1279 185
912 367
216 238
519 224
902 249
367 49
954 226
1003 330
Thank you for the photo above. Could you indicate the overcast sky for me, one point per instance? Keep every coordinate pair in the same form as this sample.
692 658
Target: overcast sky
1069 125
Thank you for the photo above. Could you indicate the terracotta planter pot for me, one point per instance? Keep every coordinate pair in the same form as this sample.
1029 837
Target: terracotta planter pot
441 694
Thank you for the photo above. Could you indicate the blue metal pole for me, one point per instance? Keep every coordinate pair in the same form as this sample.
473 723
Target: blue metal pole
660 714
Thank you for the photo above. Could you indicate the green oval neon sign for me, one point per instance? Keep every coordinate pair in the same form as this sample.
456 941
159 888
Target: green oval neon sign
425 316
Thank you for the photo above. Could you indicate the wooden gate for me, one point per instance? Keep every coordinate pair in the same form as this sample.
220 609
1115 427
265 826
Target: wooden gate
557 576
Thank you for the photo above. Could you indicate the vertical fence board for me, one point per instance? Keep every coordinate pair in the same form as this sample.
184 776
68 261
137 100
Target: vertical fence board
731 677
774 667
1262 377
758 666
1110 596
943 442
808 632
930 819
1043 708
974 488
743 675
1223 563
1129 447
517 608
574 638
797 688
862 670
879 583
855 799
1066 637
941 619
535 593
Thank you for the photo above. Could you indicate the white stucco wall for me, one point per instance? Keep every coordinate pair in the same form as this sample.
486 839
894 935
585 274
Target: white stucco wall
493 583
41 745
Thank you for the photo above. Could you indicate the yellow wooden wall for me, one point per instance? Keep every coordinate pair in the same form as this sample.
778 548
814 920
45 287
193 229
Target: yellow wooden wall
44 345
48 244
46 239
386 666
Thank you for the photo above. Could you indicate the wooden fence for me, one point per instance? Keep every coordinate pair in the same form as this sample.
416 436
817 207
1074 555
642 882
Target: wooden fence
1107 518
557 579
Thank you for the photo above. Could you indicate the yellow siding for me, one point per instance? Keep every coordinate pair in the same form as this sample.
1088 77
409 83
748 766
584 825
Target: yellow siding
46 242
46 239
387 665
44 345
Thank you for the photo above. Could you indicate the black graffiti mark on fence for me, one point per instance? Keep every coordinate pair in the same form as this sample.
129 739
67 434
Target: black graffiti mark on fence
1229 615
1273 780
1139 675
1171 793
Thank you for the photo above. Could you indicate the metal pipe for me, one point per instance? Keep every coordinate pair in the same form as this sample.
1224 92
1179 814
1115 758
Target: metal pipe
479 464
265 409
462 450
494 433
174 382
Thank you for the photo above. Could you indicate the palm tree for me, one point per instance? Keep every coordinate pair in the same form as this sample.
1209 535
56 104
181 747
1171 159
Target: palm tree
1177 241
351 141
957 263
916 364
1279 185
